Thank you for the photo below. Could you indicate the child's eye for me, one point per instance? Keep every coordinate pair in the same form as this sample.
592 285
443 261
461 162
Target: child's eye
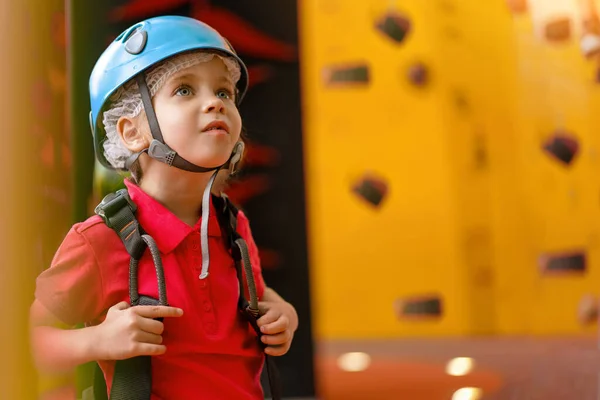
183 91
224 94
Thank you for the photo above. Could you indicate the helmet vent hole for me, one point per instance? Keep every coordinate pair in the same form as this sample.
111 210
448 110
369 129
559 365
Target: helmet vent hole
126 34
136 41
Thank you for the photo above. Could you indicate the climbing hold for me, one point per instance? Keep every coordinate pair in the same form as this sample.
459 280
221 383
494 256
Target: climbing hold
563 146
418 74
428 306
337 75
371 189
394 26
563 263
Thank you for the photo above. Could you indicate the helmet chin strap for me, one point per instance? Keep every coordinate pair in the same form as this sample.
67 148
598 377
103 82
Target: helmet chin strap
160 151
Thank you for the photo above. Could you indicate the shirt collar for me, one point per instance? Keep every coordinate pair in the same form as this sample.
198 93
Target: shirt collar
159 222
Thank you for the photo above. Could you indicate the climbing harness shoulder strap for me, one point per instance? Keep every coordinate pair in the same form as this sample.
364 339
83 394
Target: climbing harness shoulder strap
249 309
132 377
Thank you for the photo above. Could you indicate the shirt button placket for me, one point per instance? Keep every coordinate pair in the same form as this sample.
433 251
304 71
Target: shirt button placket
208 315
209 318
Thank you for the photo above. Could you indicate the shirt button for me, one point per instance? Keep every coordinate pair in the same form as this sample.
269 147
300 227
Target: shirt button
210 327
207 306
195 246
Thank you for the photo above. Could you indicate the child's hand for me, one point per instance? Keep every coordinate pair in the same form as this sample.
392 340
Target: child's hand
278 323
132 331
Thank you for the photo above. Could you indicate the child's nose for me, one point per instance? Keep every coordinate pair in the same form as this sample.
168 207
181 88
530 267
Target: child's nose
214 104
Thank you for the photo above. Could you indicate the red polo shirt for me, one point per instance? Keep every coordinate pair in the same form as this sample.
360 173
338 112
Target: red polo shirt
212 353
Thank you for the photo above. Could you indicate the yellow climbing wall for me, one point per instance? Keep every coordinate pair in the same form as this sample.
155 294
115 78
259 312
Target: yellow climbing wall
554 207
363 259
473 201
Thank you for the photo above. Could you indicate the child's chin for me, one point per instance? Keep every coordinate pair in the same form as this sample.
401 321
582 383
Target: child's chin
210 162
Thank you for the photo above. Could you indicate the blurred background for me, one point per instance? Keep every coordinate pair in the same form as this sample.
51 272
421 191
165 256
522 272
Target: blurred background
422 181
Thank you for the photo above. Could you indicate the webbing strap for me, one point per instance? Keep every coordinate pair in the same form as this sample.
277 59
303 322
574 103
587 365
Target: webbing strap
272 370
132 379
239 252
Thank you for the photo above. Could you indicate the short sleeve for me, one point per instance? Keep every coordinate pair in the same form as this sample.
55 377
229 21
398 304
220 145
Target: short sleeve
72 287
246 233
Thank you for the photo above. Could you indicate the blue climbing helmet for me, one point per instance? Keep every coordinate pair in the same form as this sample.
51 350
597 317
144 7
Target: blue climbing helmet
128 57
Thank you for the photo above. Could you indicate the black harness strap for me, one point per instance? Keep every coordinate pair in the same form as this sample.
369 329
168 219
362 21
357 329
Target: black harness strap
132 378
239 252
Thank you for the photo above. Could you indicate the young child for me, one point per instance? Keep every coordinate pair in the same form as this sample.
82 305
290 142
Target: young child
202 347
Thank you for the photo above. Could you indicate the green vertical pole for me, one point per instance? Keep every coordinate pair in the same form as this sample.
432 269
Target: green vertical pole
88 37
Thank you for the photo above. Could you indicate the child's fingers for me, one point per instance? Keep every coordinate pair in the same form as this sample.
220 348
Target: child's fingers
158 311
146 337
279 338
279 325
151 326
147 349
263 307
123 305
277 350
269 317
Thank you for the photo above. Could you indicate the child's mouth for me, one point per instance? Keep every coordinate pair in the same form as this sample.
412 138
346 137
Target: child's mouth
216 127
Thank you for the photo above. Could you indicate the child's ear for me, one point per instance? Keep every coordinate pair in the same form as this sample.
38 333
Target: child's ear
132 137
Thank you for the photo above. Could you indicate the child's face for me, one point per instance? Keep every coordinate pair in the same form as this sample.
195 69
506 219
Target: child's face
193 101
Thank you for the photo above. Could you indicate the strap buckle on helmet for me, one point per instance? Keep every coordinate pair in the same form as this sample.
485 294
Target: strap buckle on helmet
161 152
236 156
